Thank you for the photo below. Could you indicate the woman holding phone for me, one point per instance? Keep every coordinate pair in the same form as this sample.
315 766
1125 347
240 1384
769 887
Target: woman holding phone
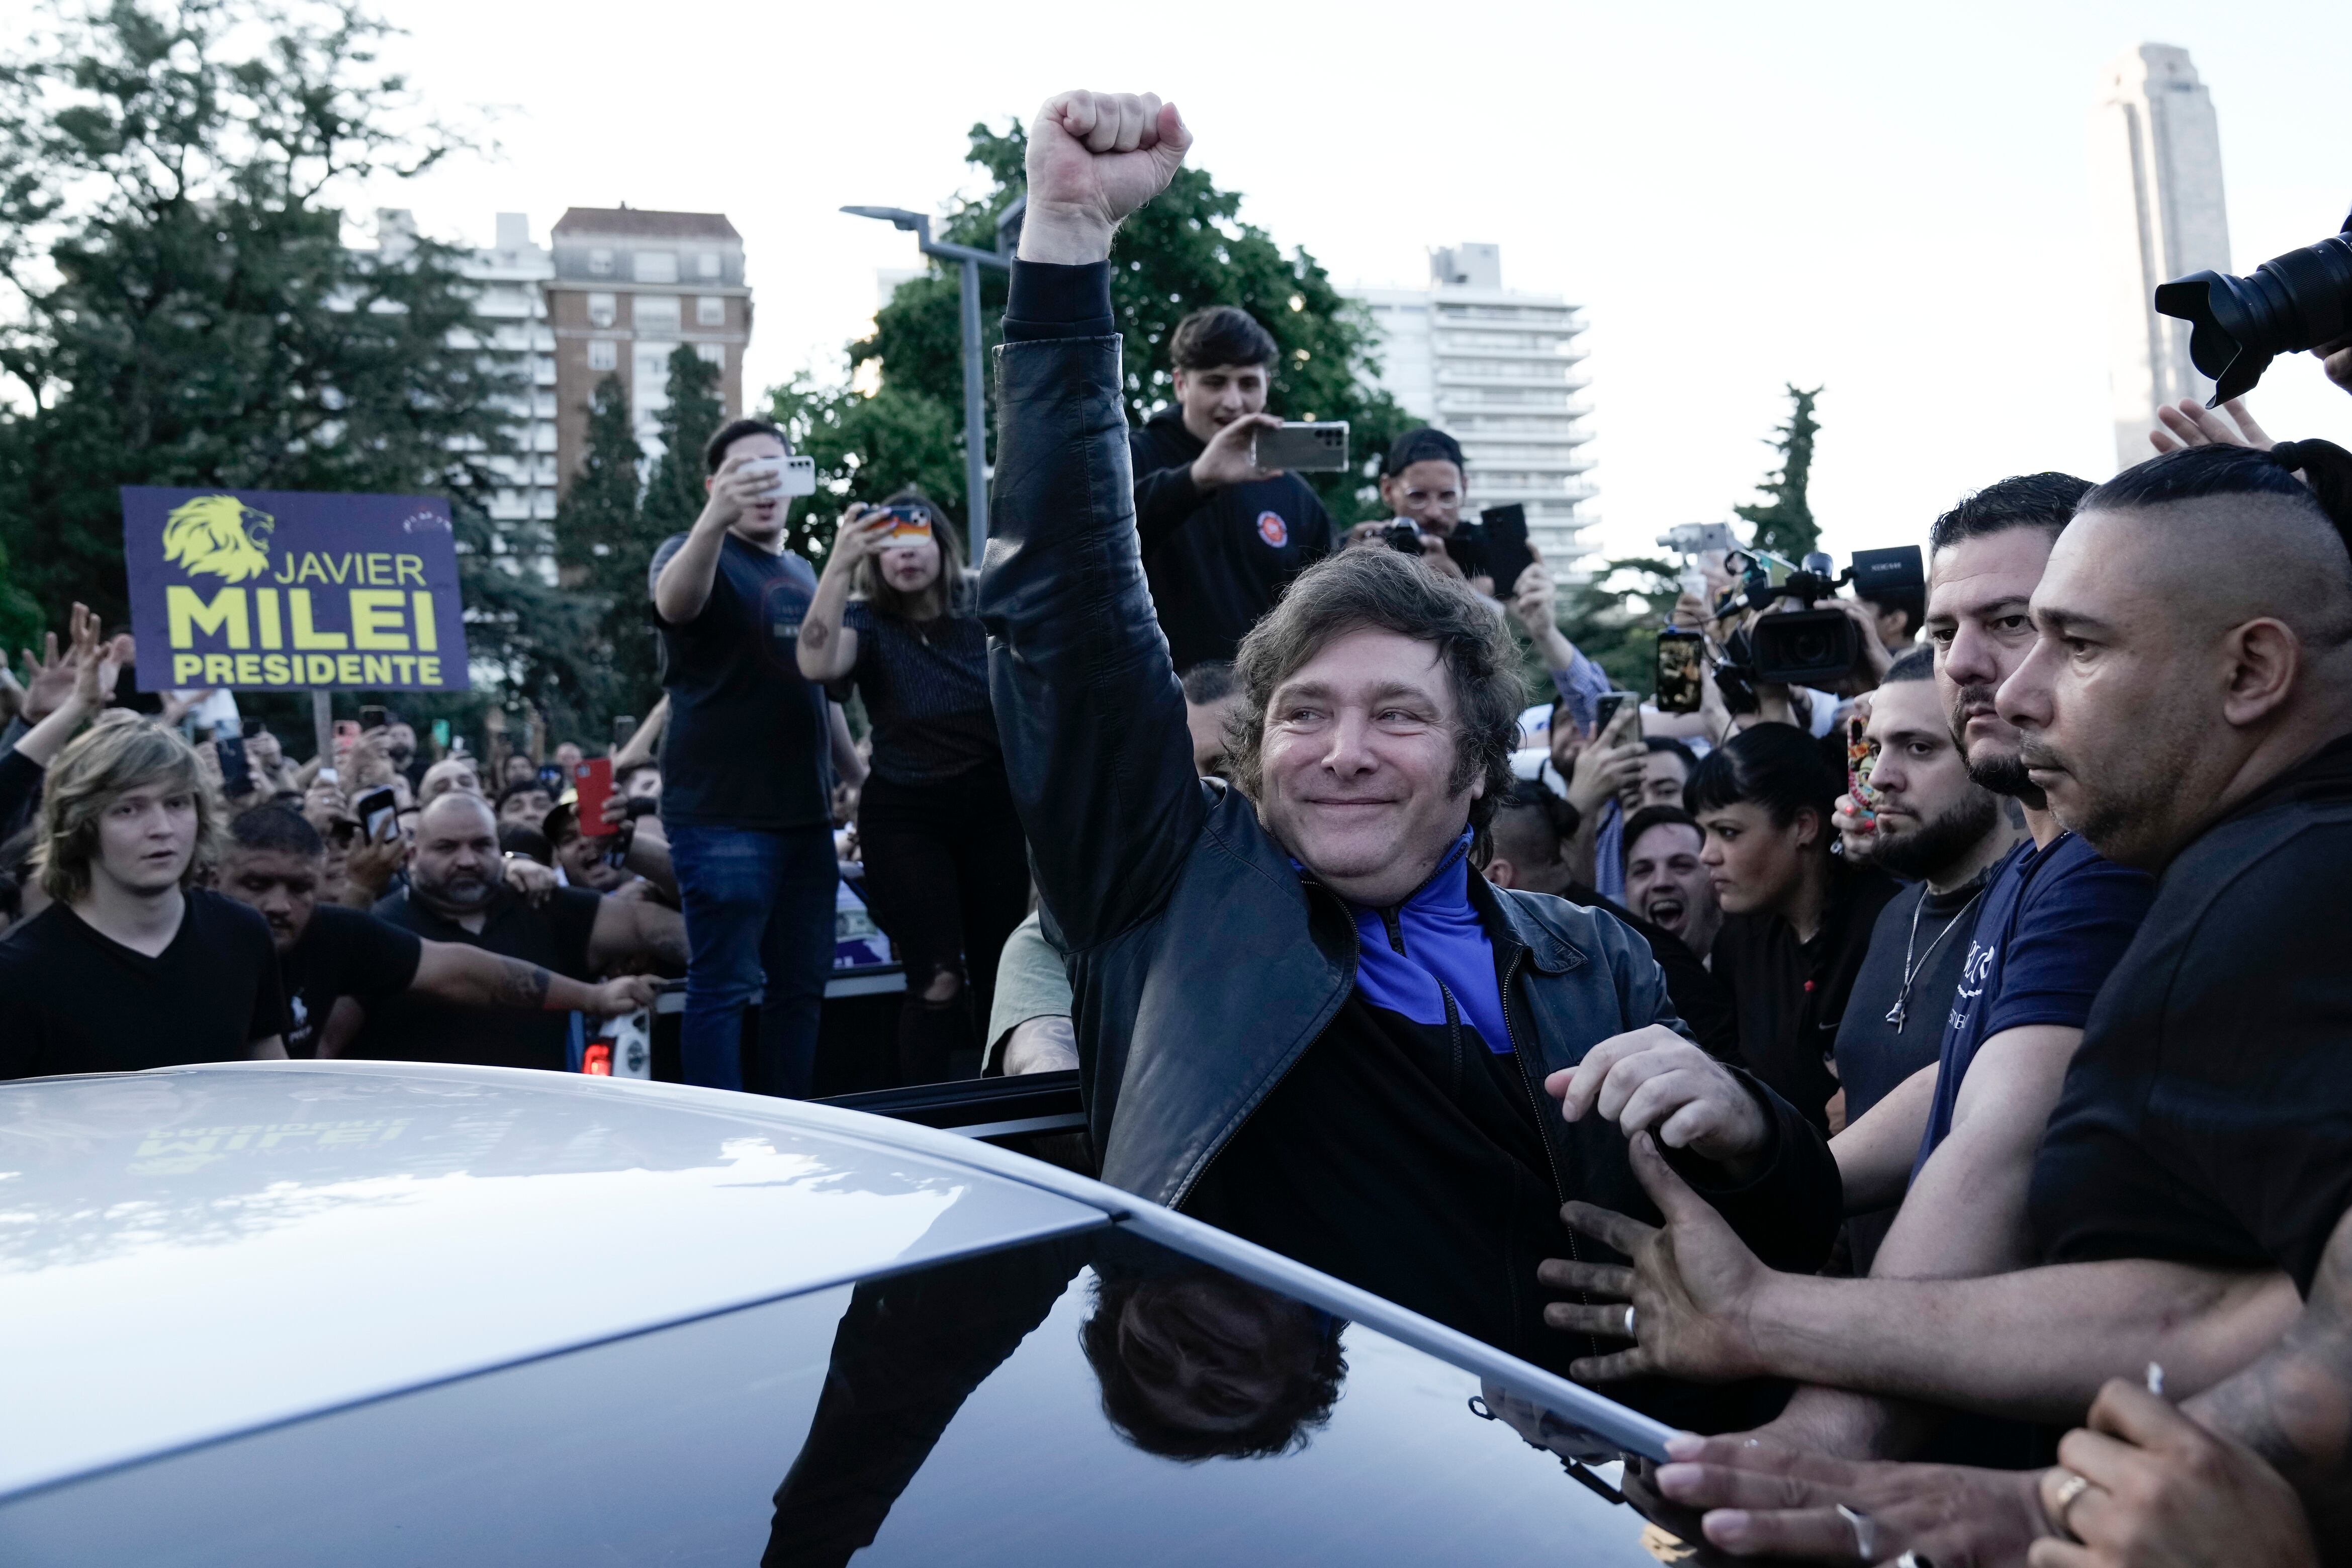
947 872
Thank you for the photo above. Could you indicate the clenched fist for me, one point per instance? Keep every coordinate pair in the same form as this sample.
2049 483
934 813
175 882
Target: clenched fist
1093 158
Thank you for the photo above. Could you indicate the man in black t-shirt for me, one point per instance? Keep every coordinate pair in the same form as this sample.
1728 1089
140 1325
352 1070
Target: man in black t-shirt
133 965
1222 537
339 964
1944 831
746 797
458 895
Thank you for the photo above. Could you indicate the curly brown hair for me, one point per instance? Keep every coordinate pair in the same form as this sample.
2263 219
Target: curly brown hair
1368 588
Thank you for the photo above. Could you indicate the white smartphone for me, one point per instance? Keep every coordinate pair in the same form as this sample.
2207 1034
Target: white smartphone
798 474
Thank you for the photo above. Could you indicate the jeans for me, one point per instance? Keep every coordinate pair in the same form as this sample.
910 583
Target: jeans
759 914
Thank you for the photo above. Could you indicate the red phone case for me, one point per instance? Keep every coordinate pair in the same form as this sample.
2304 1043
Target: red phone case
594 781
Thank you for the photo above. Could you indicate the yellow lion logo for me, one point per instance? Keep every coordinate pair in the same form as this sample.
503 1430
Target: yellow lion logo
219 536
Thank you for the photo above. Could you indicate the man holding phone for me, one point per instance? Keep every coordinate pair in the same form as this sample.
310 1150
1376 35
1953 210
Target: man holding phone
746 794
1222 536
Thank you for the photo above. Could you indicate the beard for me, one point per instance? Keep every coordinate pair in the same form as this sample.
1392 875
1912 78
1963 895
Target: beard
2003 773
1940 841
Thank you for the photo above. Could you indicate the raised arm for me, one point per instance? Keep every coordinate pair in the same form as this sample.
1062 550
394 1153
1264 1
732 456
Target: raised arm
826 649
1085 699
683 585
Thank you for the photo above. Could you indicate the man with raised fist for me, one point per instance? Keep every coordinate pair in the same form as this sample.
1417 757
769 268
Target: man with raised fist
1301 1014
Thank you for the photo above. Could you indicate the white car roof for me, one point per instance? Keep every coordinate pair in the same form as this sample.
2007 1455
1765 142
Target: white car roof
196 1251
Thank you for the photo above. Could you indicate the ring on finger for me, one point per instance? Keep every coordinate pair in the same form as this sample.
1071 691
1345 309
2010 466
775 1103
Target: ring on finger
2070 1492
1866 1532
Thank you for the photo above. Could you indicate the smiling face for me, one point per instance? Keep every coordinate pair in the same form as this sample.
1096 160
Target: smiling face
1213 396
1358 763
1981 624
145 837
281 885
1666 884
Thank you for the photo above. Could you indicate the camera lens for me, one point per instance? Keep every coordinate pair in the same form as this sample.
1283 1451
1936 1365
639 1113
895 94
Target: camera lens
2292 303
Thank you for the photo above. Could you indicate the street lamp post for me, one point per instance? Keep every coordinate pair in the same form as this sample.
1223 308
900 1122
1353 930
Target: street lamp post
975 416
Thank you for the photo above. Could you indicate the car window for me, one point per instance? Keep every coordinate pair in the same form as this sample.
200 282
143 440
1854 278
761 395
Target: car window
1095 1399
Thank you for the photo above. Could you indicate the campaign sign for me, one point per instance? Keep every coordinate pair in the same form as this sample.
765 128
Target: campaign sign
285 590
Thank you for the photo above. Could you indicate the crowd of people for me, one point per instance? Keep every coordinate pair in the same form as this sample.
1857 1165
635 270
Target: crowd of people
1959 1138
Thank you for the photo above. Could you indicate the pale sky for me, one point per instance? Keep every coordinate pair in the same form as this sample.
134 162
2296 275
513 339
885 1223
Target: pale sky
1890 202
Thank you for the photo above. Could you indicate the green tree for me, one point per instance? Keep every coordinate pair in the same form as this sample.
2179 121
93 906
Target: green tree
602 548
1784 521
181 309
674 490
1614 615
1187 249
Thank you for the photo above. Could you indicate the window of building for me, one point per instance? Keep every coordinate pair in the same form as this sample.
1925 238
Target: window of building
712 354
706 264
600 309
657 266
600 262
654 312
709 310
603 354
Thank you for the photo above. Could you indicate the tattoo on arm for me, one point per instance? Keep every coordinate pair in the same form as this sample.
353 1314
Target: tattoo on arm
2293 1406
522 985
816 633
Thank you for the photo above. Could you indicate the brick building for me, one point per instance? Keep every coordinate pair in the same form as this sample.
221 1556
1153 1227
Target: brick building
628 286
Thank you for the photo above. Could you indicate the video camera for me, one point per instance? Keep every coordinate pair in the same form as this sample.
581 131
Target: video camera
1810 647
2292 302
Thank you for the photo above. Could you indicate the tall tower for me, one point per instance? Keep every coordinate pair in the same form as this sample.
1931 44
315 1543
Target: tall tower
2155 185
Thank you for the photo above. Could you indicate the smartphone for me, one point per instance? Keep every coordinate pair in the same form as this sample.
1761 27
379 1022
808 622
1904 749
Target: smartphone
346 732
551 778
1860 759
1607 705
441 735
798 474
236 772
1508 554
1681 668
1301 448
379 811
372 716
593 780
624 725
908 525
1698 539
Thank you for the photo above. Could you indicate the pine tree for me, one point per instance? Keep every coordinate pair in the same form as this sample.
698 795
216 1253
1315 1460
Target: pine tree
674 491
602 549
1784 521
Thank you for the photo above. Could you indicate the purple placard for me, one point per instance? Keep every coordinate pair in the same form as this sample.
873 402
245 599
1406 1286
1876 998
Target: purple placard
293 590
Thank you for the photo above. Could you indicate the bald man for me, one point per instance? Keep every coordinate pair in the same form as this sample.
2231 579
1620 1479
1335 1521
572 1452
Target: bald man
457 893
2186 706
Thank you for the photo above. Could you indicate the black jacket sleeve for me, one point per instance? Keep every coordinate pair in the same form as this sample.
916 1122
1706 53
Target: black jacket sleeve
1086 701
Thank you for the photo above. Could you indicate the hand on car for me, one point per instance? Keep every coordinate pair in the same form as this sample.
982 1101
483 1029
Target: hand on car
2164 1492
1687 1291
1763 1499
1228 457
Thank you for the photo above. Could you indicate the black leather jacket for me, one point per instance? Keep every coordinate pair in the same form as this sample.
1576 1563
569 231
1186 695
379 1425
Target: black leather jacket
1203 966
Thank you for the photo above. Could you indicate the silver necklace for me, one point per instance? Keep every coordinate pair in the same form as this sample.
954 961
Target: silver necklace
1899 1014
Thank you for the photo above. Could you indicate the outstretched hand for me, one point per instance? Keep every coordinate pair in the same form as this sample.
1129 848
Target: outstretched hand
2191 423
1690 1286
1093 158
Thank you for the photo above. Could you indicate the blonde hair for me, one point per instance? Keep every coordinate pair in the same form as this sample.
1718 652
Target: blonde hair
119 753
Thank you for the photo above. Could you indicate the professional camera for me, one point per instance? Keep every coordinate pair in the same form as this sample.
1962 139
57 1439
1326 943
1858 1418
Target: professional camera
2292 302
1402 538
1810 647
